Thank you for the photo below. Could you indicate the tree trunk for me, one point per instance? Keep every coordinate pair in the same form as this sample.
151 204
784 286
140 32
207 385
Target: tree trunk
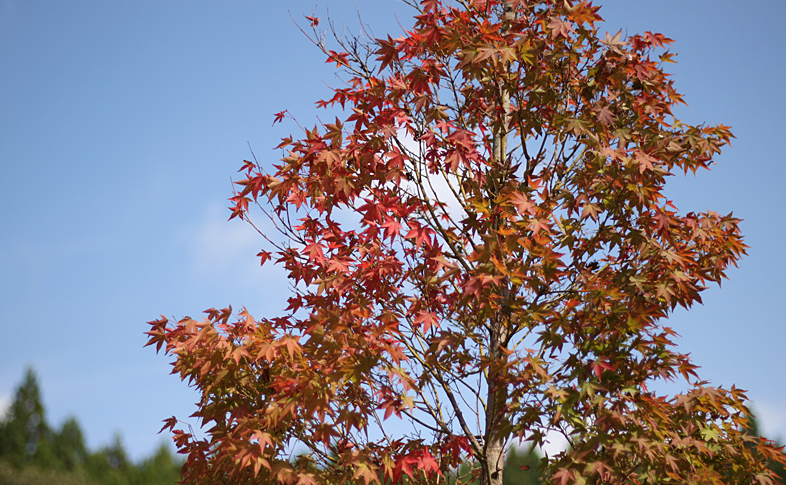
494 442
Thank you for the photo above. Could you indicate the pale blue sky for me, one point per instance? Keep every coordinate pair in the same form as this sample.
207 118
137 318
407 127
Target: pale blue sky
121 124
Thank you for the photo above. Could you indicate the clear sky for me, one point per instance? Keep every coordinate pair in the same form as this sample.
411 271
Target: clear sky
122 123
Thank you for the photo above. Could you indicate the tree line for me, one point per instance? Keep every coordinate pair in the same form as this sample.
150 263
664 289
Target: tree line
33 452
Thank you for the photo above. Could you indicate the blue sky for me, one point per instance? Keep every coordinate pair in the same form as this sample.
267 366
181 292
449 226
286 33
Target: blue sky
121 124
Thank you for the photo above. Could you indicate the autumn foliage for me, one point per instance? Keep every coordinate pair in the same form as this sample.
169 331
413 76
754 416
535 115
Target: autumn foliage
480 252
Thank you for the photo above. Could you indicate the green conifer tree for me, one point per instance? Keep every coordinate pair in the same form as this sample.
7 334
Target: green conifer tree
24 434
69 445
110 465
160 469
31 453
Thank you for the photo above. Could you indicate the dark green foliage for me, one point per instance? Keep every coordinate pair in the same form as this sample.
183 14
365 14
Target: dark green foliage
778 468
521 468
110 465
31 453
25 437
69 445
160 469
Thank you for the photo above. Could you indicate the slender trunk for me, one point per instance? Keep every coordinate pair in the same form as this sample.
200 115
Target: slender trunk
494 442
495 404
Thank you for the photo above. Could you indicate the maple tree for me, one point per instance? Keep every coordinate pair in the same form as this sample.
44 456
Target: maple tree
480 251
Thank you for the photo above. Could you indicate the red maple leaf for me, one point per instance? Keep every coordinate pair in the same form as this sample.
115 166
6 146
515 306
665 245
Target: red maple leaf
279 116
